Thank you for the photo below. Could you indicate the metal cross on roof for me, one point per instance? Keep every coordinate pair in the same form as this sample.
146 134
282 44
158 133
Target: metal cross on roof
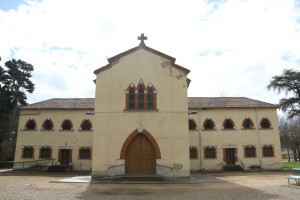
142 38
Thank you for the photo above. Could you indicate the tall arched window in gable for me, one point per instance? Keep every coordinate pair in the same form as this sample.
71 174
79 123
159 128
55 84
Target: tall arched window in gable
48 125
30 125
150 98
141 99
67 125
131 103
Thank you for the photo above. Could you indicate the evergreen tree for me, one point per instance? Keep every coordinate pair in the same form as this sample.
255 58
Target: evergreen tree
289 82
14 82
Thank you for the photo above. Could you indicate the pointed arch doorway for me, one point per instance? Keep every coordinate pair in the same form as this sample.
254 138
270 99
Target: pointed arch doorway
140 152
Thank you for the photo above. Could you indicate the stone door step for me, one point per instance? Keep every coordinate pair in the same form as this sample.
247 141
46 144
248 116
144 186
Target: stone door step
139 177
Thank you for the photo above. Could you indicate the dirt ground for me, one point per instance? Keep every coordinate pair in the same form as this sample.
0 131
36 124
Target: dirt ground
262 185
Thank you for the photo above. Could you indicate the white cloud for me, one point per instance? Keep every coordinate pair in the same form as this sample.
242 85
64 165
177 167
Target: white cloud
231 46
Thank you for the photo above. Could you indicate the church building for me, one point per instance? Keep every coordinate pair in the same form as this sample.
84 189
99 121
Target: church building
141 121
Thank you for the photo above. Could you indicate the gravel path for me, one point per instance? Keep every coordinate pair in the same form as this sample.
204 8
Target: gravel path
236 186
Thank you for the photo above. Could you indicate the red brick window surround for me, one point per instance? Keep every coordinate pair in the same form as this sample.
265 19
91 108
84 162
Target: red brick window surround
265 123
249 151
193 152
192 124
86 125
48 125
209 124
228 124
248 123
210 152
28 152
85 153
45 152
268 151
141 97
30 124
67 125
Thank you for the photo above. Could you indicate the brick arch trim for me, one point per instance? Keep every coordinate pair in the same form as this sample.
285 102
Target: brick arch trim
46 121
65 121
247 119
265 118
209 119
196 125
132 136
29 120
129 87
89 121
230 120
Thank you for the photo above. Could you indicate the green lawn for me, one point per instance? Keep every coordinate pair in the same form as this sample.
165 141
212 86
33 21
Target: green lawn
291 164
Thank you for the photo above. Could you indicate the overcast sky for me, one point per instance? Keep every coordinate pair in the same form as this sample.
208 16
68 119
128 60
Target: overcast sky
233 47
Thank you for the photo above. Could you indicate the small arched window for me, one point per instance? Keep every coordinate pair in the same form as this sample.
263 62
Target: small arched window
141 97
48 125
192 124
265 123
67 125
86 125
248 124
150 99
228 124
30 125
208 124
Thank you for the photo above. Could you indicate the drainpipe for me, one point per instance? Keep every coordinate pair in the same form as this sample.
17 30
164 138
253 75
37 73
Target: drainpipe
258 138
200 139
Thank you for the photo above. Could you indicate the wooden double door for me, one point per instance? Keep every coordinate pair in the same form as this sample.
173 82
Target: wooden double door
140 156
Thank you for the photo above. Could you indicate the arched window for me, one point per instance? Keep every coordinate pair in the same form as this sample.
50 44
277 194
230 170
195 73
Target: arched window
228 124
131 99
265 123
86 125
209 124
150 98
141 97
67 125
30 125
192 124
48 125
248 123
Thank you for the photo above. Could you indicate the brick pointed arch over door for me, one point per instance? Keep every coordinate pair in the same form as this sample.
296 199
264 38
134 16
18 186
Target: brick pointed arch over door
132 136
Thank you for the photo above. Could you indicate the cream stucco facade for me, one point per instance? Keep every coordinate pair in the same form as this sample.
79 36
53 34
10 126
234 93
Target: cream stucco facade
143 93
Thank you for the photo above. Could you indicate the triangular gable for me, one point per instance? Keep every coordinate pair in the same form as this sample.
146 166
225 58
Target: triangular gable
117 57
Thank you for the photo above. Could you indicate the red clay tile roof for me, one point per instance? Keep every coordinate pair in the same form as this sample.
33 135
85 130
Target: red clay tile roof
193 102
117 57
60 103
227 102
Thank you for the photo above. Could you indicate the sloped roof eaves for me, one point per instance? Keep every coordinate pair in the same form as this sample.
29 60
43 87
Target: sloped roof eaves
115 58
65 104
226 102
